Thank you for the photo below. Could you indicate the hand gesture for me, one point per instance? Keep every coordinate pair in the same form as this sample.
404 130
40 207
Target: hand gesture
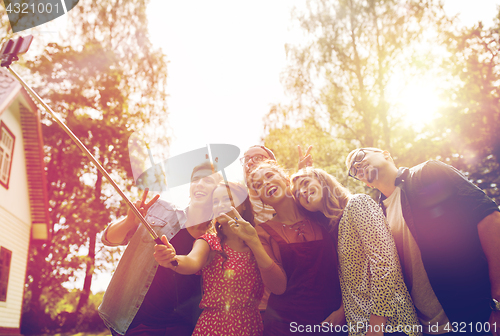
241 227
165 254
305 160
336 318
142 206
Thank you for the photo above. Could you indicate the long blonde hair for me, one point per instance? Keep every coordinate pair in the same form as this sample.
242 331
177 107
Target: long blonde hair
335 195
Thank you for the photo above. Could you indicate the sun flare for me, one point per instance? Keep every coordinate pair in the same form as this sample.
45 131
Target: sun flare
417 102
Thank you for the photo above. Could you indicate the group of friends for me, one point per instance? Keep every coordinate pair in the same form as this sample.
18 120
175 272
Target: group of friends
284 255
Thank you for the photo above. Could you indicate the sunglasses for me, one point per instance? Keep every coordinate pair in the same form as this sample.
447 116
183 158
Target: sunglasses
360 155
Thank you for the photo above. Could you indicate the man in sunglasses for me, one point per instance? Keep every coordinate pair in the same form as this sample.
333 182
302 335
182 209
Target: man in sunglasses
447 232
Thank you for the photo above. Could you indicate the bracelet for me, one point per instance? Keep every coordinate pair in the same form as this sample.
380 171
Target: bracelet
495 305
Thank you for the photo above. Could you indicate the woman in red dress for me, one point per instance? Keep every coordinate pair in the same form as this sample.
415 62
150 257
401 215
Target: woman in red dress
232 285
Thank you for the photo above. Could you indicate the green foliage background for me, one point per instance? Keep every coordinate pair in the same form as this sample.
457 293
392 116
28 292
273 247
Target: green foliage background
338 81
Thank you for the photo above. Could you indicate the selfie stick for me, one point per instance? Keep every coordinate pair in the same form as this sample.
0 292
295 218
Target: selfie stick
223 177
7 59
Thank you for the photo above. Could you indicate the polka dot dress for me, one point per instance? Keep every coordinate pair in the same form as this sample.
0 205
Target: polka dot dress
370 273
231 295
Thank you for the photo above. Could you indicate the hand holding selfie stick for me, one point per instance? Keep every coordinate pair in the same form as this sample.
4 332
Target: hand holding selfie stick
8 54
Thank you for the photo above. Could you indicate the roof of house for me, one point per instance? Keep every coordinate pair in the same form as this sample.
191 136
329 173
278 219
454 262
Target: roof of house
33 151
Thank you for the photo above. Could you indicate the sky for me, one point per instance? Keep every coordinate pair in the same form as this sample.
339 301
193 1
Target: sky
225 61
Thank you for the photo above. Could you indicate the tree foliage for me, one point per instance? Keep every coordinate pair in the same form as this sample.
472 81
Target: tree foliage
328 152
106 81
338 80
338 77
353 48
469 127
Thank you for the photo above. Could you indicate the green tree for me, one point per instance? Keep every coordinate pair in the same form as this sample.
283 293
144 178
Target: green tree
106 81
328 152
470 126
339 76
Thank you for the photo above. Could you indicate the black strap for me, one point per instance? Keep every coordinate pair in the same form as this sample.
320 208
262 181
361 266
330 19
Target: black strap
402 175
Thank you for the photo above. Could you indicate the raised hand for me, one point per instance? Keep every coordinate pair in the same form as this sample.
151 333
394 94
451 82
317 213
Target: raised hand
165 254
305 160
241 227
142 206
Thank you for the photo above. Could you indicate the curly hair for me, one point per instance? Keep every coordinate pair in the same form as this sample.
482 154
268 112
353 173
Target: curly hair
267 164
241 192
335 195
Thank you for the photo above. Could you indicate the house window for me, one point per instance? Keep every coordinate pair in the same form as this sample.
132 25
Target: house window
6 151
5 256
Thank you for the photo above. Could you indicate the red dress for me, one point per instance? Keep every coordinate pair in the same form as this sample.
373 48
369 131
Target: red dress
231 296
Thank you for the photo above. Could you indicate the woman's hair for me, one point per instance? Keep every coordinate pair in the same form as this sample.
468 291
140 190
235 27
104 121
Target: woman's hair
241 192
335 195
267 164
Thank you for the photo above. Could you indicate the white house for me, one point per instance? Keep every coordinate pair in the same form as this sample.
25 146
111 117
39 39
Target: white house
24 215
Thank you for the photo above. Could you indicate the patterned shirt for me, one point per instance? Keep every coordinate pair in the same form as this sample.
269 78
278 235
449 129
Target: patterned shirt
370 273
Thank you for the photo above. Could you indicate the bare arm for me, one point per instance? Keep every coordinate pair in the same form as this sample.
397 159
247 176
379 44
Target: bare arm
489 234
273 276
337 317
375 321
187 264
118 231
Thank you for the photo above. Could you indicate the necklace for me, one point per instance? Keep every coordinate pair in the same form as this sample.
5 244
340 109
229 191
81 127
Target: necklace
300 228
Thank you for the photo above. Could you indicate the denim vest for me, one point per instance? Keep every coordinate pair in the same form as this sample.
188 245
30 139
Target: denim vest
137 266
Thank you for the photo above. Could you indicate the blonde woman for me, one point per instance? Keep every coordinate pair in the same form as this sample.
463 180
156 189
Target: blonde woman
375 298
297 261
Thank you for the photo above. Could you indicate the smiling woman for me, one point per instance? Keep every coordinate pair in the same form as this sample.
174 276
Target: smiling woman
301 271
366 253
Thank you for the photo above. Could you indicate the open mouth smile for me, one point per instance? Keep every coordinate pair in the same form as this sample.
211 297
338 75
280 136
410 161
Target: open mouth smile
199 194
270 192
308 198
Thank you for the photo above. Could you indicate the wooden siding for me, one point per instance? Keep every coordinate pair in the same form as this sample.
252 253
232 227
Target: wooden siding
15 237
35 171
16 198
